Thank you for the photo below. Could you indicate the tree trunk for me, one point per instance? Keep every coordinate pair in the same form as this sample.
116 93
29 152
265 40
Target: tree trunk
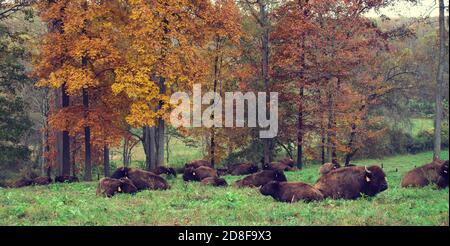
300 108
125 157
65 136
331 135
106 164
87 139
159 143
161 129
300 130
265 53
150 147
440 81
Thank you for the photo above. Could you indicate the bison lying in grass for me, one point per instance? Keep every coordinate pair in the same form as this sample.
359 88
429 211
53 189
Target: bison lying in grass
261 178
328 167
198 174
242 169
435 173
197 164
286 165
109 187
352 182
291 192
42 181
66 179
170 172
215 181
143 180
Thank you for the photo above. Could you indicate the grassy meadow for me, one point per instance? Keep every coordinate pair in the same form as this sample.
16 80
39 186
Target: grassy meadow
193 204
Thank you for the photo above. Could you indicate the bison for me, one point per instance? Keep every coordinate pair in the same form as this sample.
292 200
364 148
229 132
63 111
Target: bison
277 166
291 192
435 173
242 169
215 181
261 178
197 164
352 182
23 182
328 167
288 161
198 174
170 172
143 180
109 187
42 181
222 171
66 179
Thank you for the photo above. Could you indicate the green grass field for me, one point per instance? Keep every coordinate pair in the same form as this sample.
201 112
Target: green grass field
193 204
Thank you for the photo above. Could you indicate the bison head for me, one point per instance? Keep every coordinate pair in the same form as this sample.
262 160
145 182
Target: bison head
279 176
254 168
270 189
127 186
120 173
190 174
375 181
444 170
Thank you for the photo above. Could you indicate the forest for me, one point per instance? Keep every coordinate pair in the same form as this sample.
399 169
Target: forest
92 109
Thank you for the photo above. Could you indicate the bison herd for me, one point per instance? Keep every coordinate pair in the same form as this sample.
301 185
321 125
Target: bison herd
335 182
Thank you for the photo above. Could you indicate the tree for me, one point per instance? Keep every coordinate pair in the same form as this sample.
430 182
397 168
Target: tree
443 57
259 9
78 57
14 121
159 43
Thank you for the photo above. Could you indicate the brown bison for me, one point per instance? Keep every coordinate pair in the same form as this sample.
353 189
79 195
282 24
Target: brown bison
435 173
291 192
215 181
66 179
198 174
197 164
261 178
23 182
42 181
170 172
288 162
277 166
143 180
222 171
109 187
242 169
328 167
352 182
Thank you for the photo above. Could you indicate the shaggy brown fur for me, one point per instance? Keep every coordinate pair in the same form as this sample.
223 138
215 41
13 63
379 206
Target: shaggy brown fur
435 173
197 164
42 181
261 178
215 181
351 182
288 161
198 174
291 192
109 187
164 170
328 167
243 169
143 180
23 182
277 166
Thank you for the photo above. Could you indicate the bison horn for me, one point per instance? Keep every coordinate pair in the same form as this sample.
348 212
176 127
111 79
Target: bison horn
367 170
